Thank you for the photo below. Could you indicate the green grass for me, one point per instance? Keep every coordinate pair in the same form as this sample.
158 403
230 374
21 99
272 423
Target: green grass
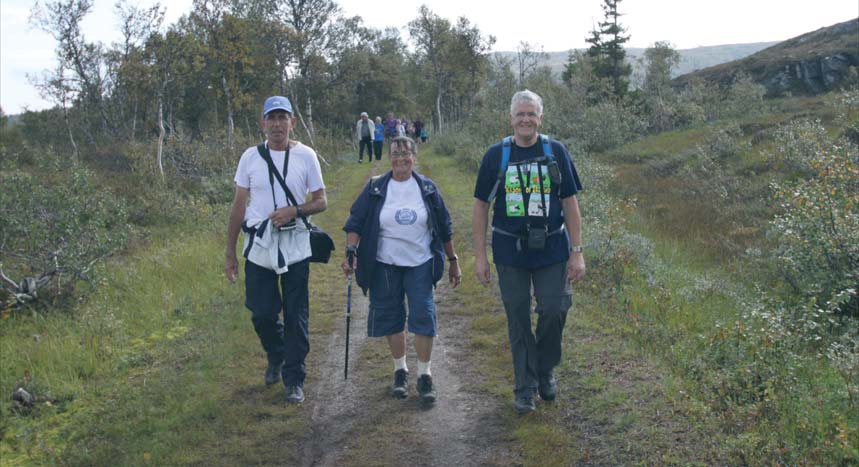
146 370
160 365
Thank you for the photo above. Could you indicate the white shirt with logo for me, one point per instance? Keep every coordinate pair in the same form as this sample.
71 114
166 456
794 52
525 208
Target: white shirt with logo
404 236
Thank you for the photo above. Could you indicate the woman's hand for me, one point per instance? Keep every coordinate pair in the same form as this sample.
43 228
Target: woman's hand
347 268
454 274
351 262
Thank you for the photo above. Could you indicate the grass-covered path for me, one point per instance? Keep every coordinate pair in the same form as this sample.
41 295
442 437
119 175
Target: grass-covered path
161 367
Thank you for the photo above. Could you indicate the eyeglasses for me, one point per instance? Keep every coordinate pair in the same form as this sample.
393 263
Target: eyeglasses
400 154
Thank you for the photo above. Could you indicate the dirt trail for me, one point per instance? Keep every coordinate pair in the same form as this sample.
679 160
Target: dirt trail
334 402
461 428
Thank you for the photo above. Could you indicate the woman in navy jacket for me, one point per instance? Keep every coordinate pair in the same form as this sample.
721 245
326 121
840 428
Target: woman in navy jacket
397 236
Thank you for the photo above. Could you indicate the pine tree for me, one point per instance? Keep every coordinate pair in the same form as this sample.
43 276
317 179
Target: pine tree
607 48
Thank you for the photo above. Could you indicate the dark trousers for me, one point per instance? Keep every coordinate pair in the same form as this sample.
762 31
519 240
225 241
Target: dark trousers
266 294
377 149
366 141
535 355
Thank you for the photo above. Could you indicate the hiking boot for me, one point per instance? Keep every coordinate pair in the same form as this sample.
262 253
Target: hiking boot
426 389
525 404
401 384
294 395
548 388
272 373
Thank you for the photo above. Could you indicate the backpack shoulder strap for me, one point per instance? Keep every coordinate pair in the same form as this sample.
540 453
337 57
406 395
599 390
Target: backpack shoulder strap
547 146
502 168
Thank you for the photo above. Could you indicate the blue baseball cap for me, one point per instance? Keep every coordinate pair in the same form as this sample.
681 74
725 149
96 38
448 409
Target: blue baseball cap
276 103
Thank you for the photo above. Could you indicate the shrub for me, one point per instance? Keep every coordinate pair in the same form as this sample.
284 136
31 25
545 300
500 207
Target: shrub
817 250
463 145
798 144
608 124
57 224
615 254
743 97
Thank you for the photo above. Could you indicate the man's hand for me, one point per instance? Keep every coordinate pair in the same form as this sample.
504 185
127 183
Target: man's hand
481 269
231 268
575 267
282 216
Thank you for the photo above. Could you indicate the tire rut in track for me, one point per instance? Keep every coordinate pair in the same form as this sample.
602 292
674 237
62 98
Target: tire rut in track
334 403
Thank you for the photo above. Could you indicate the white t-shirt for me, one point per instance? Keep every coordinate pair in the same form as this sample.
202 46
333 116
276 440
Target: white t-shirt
404 237
304 176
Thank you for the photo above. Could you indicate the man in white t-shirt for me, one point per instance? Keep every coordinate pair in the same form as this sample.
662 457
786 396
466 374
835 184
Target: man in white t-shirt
263 211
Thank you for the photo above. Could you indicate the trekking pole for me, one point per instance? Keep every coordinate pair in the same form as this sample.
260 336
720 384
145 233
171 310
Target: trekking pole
348 322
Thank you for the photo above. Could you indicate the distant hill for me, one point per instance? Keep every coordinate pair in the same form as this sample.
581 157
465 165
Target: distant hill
690 59
812 63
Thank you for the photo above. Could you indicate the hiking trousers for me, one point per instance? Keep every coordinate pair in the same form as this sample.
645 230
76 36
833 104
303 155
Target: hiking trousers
365 142
266 294
535 355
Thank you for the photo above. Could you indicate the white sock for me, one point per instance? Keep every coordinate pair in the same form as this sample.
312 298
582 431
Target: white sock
400 364
424 368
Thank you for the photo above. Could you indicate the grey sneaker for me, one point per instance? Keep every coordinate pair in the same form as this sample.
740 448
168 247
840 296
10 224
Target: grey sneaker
426 389
272 373
294 395
401 384
548 388
525 404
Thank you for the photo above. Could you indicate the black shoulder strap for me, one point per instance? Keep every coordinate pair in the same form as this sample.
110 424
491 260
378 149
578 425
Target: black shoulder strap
263 151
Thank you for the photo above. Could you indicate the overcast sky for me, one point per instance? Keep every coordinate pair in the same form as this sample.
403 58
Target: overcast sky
555 25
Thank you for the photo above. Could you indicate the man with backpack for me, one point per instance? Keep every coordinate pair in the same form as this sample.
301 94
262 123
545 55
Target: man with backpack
536 243
276 247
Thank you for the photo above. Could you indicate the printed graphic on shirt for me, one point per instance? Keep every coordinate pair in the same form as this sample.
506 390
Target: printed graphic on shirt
406 216
515 193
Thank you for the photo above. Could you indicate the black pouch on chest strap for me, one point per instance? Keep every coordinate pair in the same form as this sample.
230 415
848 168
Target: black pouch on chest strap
537 238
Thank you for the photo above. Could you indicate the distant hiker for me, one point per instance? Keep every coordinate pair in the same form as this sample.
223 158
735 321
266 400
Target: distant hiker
536 242
390 128
378 138
276 247
401 130
364 130
424 135
418 125
399 231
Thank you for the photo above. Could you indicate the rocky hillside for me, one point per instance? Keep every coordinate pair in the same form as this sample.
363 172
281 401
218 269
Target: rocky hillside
812 63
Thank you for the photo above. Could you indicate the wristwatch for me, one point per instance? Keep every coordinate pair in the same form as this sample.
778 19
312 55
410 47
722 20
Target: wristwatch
452 258
576 249
297 211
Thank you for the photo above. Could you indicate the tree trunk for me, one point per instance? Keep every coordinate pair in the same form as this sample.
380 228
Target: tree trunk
69 129
438 111
310 129
160 136
229 104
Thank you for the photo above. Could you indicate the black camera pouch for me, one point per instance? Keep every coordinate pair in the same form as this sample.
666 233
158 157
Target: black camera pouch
537 238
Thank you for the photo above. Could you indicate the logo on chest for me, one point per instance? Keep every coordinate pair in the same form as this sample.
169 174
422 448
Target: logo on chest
406 216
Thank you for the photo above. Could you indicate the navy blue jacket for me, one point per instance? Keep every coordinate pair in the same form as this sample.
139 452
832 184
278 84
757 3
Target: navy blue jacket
364 220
